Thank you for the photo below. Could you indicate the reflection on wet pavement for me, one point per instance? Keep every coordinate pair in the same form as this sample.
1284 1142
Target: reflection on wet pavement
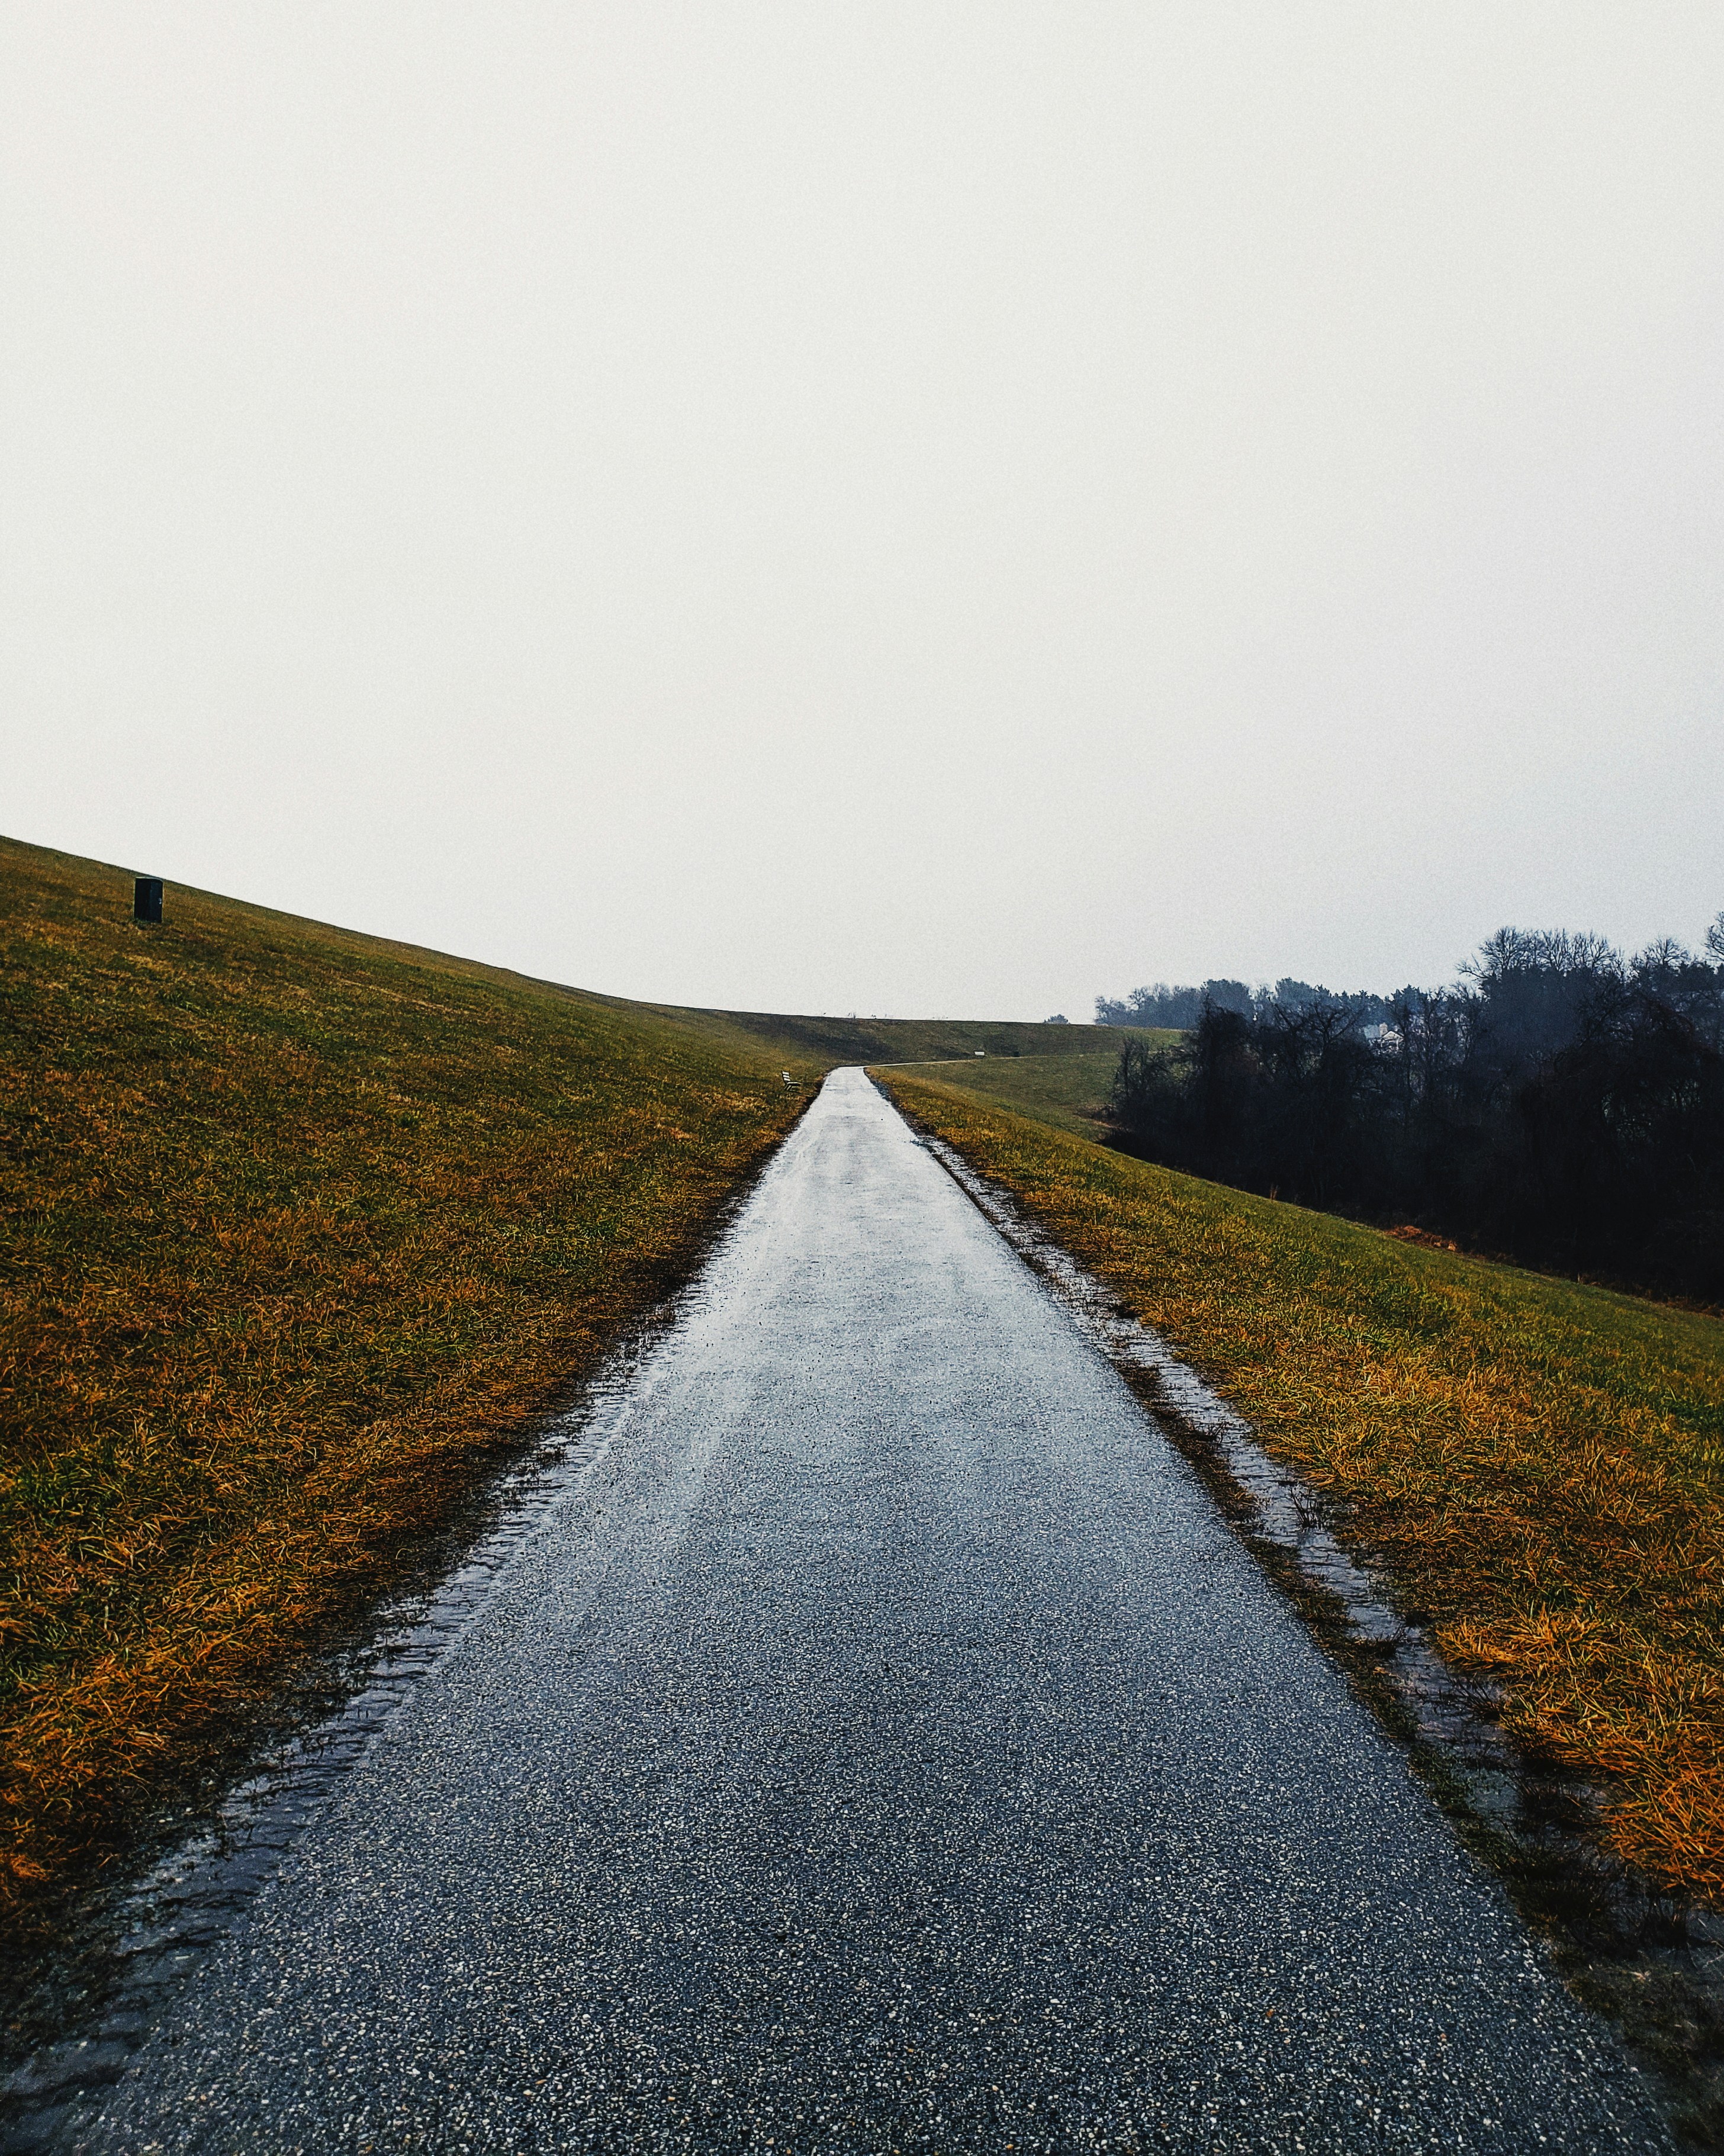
864 1734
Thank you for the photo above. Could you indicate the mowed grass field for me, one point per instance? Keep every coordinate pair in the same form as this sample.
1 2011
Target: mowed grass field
1539 1466
1068 1091
301 1230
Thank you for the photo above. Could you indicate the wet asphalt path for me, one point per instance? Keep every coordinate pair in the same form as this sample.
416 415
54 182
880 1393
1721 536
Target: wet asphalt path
887 1748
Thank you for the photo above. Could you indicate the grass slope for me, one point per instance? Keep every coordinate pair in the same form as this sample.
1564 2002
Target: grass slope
1069 1092
836 1040
301 1228
1539 1465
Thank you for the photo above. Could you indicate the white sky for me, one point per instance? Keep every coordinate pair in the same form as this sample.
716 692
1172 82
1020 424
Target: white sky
911 509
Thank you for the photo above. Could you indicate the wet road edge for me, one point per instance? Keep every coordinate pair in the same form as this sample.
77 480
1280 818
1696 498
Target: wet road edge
133 1937
1649 1961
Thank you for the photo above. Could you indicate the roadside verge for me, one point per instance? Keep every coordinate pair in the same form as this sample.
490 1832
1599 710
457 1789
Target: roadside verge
1532 1468
304 1231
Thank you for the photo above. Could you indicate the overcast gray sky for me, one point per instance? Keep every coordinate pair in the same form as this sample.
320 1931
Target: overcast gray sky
912 509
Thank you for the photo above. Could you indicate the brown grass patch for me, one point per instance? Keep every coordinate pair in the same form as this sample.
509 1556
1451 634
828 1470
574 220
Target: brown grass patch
1538 1464
301 1230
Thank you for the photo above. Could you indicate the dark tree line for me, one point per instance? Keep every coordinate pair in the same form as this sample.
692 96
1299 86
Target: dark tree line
1163 1005
1560 1103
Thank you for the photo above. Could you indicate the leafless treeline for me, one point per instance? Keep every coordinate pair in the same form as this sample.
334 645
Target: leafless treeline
1561 1103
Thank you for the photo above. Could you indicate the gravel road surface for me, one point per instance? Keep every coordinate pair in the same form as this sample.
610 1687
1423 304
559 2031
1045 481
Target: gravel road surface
885 1748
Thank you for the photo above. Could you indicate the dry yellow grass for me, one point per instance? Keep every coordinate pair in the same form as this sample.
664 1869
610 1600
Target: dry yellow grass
1538 1466
301 1229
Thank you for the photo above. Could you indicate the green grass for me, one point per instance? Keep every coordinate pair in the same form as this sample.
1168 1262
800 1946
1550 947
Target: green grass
1069 1092
302 1229
1537 1464
836 1040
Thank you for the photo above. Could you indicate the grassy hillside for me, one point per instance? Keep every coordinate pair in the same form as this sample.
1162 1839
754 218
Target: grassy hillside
1539 1465
1069 1092
835 1040
301 1229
